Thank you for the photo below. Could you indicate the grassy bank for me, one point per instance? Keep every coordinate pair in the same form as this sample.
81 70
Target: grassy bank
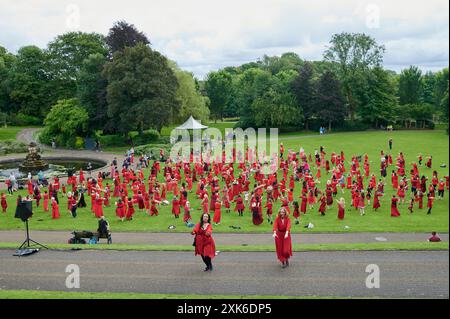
382 246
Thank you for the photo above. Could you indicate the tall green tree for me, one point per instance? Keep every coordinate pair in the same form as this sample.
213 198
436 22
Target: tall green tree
218 87
191 100
381 98
253 83
91 91
441 87
329 100
142 89
303 87
67 53
410 86
275 109
428 87
29 82
353 54
122 35
7 60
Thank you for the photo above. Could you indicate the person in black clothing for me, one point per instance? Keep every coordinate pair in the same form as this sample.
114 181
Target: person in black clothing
103 227
390 143
82 201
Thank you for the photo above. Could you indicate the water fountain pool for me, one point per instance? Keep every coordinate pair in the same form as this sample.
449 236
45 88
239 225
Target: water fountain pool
53 166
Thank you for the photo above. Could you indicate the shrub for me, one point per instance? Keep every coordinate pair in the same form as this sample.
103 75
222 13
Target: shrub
12 147
79 142
21 119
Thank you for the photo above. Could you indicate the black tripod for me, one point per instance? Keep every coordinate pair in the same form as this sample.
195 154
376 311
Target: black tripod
26 243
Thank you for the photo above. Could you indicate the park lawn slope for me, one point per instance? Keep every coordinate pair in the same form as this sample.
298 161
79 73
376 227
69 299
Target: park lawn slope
411 143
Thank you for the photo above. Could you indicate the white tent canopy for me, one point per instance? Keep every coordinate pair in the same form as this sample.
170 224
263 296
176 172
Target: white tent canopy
191 124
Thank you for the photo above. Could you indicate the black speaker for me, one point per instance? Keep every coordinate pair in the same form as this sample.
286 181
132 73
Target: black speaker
24 210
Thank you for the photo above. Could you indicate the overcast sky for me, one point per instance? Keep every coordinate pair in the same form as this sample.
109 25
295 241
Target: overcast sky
206 35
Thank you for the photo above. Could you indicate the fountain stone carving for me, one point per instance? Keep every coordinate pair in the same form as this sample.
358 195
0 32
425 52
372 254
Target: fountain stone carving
33 161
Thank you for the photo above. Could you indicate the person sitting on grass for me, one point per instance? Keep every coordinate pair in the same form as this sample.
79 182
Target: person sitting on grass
434 238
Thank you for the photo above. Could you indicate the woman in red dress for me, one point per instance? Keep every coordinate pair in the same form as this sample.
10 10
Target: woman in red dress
55 209
430 203
187 212
4 203
303 203
376 200
45 203
176 207
323 205
394 209
217 212
130 210
120 209
98 206
282 235
240 206
269 211
341 209
296 213
204 242
394 180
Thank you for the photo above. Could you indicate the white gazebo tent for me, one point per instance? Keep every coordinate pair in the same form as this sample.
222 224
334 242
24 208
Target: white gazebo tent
191 125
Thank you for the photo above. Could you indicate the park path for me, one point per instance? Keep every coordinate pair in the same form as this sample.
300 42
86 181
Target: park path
342 274
224 239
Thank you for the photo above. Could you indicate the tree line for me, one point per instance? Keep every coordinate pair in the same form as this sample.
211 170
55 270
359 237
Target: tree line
85 82
348 89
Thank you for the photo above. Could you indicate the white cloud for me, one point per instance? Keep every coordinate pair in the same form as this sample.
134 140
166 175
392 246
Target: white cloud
205 35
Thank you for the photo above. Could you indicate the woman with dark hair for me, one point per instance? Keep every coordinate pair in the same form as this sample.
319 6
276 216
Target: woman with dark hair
204 242
282 235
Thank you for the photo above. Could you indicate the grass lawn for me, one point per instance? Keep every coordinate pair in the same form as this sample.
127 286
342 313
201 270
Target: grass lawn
9 133
382 246
37 294
412 143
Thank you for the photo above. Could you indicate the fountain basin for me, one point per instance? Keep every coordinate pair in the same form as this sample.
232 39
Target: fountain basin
55 166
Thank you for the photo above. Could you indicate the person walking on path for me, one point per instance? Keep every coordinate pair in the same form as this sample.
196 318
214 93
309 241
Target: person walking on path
204 242
282 236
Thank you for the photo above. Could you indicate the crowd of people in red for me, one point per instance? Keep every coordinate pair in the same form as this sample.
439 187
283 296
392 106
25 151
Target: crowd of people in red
295 183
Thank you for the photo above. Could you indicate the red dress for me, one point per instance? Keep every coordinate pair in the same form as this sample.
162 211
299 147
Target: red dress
176 207
187 214
217 212
204 242
303 204
341 211
130 210
55 210
394 209
283 245
323 205
376 201
98 207
45 203
120 210
4 203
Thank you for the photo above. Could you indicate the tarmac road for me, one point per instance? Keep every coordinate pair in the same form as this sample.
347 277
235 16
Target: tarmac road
343 274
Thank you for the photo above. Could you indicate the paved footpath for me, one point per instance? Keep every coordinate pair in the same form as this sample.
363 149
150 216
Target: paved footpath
342 274
185 239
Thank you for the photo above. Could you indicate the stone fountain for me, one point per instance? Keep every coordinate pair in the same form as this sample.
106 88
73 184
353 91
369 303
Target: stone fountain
33 161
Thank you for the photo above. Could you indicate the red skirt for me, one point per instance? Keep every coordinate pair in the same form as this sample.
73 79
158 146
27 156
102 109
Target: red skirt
283 246
394 211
